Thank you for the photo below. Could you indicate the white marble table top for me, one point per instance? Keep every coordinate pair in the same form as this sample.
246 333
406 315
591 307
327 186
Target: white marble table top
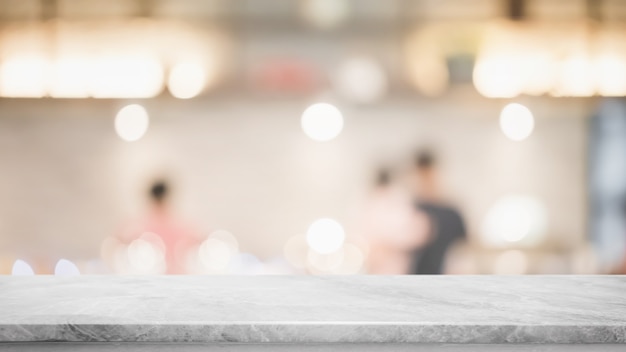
307 309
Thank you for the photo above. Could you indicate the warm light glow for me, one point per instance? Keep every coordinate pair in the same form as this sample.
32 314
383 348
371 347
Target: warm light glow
131 122
23 77
20 267
540 73
517 58
515 219
516 122
575 78
611 75
361 80
325 236
126 77
65 267
186 80
498 77
32 76
322 122
71 78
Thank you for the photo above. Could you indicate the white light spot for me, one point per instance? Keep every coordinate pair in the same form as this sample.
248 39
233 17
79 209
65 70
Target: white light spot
131 122
65 267
227 238
215 254
498 77
20 267
516 122
322 122
515 219
187 80
325 236
145 257
361 80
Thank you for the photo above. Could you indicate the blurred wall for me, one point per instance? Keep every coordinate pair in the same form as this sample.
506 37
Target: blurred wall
244 165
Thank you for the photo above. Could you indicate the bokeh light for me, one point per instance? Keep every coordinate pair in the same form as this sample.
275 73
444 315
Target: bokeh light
498 76
217 252
65 267
515 219
325 236
146 256
516 122
540 71
20 268
228 238
361 80
71 78
131 122
126 77
214 254
325 13
610 72
322 122
575 77
186 79
23 77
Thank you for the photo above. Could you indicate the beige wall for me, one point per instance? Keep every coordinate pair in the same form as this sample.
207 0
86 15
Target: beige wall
243 164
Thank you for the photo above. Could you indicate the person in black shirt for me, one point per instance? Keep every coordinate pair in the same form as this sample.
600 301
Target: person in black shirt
447 226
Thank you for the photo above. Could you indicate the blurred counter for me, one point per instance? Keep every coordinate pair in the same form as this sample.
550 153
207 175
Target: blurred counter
251 310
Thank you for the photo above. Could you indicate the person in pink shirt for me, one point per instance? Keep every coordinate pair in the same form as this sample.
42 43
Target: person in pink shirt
392 227
171 237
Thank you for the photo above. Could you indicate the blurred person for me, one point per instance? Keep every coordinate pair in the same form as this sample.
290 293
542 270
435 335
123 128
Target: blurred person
173 236
392 227
447 225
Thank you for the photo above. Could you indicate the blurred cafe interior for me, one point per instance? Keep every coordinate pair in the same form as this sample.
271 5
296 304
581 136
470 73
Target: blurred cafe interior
312 137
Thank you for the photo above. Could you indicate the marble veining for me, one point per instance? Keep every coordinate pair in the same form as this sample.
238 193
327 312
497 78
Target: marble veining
314 309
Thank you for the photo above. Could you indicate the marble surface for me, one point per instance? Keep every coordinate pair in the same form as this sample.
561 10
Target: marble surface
307 309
